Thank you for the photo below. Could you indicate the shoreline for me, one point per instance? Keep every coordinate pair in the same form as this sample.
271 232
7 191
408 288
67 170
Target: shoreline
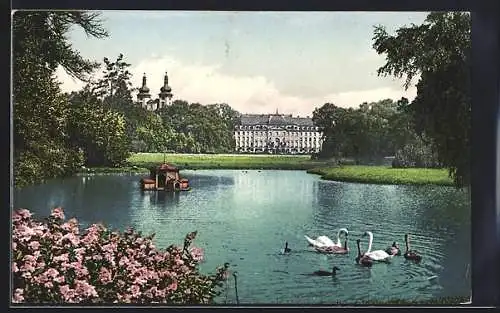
384 175
139 164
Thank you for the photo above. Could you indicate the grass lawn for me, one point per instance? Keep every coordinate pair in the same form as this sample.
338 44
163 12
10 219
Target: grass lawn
141 162
385 175
225 161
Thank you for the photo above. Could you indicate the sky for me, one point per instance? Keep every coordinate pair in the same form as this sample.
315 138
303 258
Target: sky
257 62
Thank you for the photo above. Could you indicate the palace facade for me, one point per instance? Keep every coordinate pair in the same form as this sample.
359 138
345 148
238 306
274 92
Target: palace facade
164 97
277 133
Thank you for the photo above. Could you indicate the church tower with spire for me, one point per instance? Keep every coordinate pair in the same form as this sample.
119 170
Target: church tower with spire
165 95
144 96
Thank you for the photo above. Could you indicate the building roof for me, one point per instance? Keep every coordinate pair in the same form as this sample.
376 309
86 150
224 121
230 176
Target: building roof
165 168
274 119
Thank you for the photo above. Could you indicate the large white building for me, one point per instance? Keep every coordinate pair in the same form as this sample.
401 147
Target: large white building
164 97
277 133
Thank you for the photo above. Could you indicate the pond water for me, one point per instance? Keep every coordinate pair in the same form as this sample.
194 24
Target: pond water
244 217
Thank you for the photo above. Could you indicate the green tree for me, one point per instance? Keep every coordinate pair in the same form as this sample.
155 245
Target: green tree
156 136
201 128
97 131
40 45
438 51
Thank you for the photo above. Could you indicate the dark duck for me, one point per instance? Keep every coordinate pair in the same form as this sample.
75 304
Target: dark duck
393 249
326 273
286 249
361 258
410 254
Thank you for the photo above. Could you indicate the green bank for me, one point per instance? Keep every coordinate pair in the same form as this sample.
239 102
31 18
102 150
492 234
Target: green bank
384 175
226 161
141 162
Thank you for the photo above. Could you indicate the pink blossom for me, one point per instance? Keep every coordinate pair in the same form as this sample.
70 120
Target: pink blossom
135 291
39 230
172 286
67 293
105 275
61 258
58 213
97 257
123 261
110 258
29 259
18 296
110 247
90 238
72 238
51 272
179 261
84 288
23 233
141 265
197 254
71 226
21 214
35 245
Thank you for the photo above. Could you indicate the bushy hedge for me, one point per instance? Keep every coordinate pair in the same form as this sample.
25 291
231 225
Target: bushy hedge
53 261
416 154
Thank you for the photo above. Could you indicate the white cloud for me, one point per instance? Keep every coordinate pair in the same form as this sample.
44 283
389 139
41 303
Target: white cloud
248 94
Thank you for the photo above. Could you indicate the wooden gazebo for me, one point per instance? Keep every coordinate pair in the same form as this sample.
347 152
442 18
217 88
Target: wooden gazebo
165 177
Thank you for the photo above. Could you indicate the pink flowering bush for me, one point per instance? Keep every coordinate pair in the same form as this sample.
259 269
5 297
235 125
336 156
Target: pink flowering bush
54 262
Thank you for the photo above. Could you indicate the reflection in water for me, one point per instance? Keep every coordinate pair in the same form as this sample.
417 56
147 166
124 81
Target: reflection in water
244 217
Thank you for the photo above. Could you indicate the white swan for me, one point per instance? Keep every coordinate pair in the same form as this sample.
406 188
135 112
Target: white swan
377 255
324 241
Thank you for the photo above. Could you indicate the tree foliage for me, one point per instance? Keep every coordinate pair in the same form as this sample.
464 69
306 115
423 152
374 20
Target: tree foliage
367 133
40 45
97 131
438 51
201 128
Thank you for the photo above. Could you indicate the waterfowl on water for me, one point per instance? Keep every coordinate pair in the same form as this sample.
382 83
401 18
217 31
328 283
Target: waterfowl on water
286 249
326 273
334 249
409 254
324 241
393 249
361 258
377 255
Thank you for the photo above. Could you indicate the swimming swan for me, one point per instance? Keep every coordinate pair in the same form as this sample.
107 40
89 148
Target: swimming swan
324 241
334 249
377 255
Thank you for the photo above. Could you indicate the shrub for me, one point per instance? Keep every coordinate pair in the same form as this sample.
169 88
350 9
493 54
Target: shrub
416 154
53 262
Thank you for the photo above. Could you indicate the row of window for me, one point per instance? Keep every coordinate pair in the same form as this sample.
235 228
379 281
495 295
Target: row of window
294 134
263 143
300 145
277 140
287 127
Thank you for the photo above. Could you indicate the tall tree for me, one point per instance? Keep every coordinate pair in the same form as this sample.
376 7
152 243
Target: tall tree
438 51
40 45
97 131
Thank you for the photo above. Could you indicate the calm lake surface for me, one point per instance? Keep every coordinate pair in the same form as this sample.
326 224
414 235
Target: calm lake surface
244 217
